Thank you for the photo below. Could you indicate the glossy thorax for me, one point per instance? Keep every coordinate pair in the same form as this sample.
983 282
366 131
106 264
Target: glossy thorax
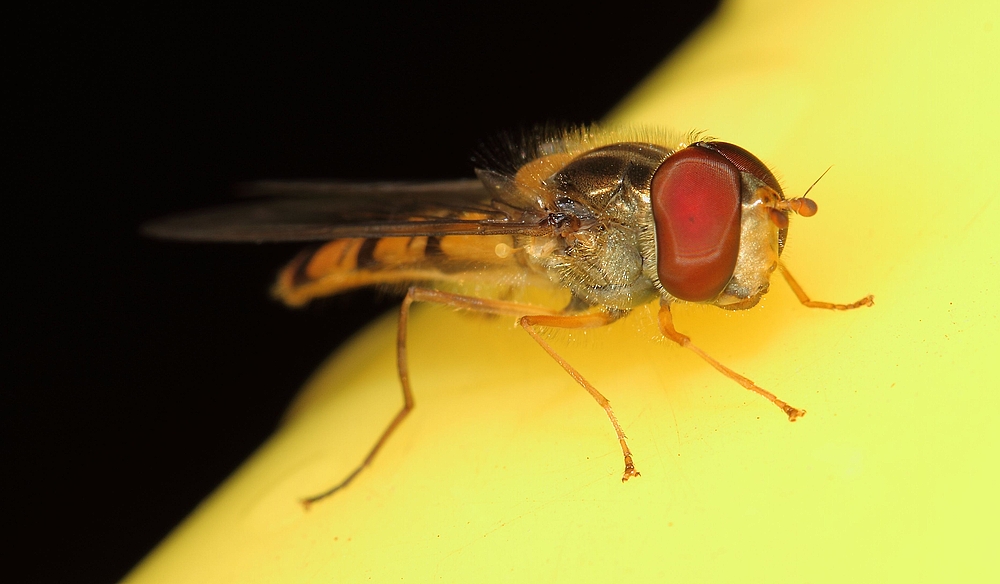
606 252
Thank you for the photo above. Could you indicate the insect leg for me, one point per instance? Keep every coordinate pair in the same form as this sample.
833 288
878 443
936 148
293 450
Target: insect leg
415 294
804 298
667 328
404 378
581 321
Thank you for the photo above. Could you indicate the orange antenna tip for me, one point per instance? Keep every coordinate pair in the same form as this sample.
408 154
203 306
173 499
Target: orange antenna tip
803 206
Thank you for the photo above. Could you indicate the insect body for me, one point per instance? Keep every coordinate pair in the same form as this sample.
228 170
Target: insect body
603 222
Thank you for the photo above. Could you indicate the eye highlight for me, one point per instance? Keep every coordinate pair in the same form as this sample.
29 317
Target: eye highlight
695 196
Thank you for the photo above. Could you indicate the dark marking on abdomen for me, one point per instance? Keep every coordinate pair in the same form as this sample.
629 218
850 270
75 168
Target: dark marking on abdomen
433 247
301 263
366 255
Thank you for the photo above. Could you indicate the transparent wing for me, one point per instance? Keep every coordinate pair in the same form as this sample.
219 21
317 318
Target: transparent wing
275 211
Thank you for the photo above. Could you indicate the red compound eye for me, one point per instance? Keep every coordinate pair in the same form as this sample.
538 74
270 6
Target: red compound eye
744 161
695 196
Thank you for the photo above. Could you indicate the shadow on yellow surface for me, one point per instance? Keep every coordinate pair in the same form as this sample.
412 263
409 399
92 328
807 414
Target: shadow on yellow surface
507 471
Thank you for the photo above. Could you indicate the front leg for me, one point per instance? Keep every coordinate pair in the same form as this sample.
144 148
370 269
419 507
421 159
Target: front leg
806 301
666 321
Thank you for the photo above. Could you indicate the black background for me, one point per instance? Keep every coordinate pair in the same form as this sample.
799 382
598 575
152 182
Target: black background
141 373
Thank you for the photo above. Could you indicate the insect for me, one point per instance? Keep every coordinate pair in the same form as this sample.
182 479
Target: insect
601 221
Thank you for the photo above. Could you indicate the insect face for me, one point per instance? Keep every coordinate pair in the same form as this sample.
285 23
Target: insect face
721 221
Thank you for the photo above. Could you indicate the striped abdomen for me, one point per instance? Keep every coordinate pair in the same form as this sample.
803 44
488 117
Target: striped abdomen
395 262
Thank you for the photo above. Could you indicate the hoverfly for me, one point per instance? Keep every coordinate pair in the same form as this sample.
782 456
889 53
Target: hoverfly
612 220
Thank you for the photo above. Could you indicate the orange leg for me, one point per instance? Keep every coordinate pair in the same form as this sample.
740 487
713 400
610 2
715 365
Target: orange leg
581 321
667 328
804 298
422 295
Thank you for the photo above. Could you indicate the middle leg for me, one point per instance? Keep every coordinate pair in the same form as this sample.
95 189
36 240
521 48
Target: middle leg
589 320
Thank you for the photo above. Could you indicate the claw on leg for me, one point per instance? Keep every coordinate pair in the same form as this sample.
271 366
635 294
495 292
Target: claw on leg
528 323
806 301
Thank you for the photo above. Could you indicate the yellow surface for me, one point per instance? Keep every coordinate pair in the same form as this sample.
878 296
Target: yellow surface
507 471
